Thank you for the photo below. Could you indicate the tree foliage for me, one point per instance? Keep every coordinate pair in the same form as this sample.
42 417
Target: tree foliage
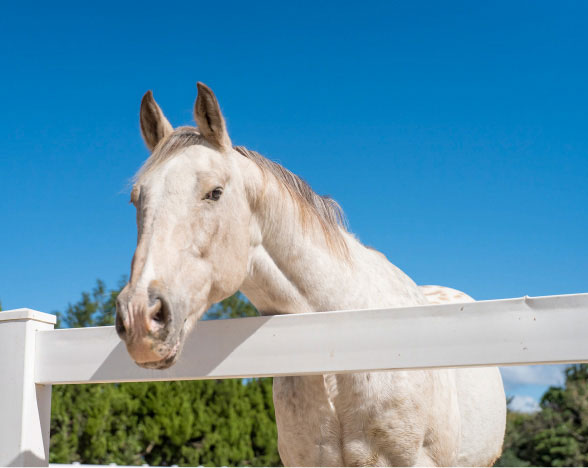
207 422
558 434
235 306
94 309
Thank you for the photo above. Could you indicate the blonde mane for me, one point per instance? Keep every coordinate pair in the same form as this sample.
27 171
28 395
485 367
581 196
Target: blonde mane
311 205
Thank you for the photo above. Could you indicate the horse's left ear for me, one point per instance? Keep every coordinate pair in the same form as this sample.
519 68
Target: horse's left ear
209 118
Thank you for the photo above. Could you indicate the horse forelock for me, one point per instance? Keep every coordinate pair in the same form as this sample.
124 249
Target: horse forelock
168 147
311 205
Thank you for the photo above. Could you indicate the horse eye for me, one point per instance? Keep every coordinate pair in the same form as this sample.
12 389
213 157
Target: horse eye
214 195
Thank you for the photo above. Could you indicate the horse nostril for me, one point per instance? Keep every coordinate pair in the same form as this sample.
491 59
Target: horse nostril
159 315
119 326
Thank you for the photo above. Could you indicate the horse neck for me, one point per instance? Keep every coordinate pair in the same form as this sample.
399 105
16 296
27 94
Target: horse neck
293 268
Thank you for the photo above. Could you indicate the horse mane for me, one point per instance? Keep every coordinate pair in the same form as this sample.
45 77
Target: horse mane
323 208
311 205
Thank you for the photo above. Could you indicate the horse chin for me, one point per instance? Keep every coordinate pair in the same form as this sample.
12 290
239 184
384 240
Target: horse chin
160 365
165 362
172 356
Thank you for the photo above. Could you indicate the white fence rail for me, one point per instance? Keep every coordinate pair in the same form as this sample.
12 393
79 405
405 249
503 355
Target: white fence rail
543 330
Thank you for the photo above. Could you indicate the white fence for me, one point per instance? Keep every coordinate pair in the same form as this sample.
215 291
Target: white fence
33 356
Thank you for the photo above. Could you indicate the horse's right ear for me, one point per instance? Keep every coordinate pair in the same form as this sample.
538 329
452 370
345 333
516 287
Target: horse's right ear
154 125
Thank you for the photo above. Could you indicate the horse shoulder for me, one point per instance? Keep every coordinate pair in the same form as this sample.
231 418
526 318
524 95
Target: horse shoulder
400 418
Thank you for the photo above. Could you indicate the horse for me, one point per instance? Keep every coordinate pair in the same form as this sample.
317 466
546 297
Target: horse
213 219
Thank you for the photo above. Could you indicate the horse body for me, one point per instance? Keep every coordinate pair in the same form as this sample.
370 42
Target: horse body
263 231
384 418
448 417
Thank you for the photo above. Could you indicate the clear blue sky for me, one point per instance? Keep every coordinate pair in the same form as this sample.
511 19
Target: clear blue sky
454 134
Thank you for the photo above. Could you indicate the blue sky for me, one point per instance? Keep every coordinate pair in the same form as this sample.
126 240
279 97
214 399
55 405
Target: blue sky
454 134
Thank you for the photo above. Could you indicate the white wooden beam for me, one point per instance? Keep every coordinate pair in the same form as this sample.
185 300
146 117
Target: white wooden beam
525 330
25 407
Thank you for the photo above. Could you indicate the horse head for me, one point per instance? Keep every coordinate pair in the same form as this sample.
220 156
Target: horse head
193 223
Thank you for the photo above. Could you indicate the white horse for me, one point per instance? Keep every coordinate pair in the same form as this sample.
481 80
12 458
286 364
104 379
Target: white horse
213 219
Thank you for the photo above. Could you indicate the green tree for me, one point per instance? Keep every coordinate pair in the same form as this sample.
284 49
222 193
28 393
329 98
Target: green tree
235 306
94 309
558 434
207 422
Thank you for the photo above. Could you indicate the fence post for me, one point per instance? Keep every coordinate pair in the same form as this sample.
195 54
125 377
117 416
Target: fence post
25 408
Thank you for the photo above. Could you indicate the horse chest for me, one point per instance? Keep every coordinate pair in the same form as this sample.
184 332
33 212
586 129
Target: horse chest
308 427
364 419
